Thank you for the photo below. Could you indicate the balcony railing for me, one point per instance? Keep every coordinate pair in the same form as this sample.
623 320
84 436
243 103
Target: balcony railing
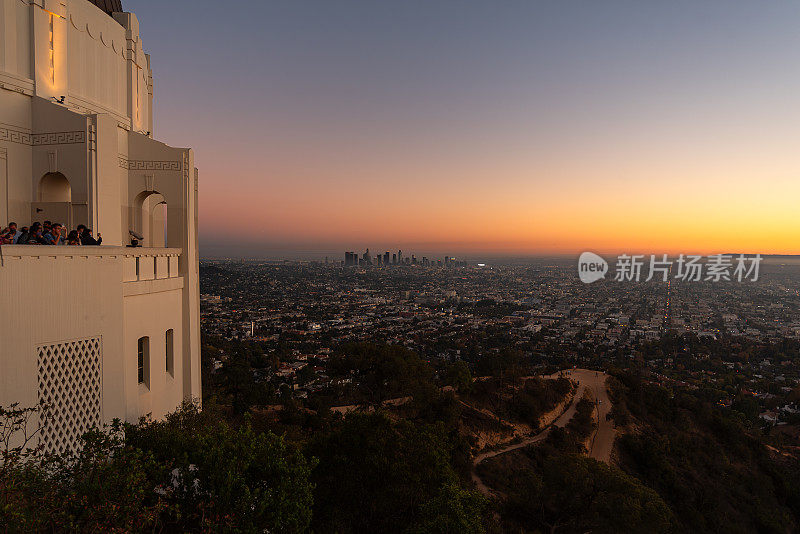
138 264
150 264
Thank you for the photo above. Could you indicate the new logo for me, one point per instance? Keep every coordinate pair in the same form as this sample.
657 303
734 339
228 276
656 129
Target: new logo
591 267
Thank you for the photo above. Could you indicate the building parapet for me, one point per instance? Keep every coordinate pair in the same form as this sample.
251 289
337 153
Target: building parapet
138 264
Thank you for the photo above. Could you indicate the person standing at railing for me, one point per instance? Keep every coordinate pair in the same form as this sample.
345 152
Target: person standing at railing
23 236
56 235
86 238
6 237
10 235
33 236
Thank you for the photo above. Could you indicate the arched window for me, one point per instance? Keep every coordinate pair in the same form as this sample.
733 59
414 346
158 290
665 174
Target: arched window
143 361
54 187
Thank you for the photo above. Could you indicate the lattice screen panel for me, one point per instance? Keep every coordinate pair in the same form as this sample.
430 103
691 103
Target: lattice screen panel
70 385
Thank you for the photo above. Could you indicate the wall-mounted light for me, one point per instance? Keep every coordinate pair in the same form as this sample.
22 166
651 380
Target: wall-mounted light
52 14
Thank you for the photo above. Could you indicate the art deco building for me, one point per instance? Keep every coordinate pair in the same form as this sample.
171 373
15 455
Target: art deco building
95 332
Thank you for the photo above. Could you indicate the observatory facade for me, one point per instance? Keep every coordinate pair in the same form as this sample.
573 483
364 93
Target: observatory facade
93 332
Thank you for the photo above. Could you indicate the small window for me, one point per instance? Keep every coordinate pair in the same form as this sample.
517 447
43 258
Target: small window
143 361
170 354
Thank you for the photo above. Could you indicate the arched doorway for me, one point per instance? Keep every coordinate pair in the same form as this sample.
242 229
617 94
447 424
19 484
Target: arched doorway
54 187
150 218
53 200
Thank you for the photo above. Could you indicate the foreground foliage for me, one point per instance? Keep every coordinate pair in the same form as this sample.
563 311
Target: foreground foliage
376 475
547 490
711 468
191 472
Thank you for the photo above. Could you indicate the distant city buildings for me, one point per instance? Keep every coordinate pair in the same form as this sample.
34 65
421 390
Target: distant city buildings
352 259
714 332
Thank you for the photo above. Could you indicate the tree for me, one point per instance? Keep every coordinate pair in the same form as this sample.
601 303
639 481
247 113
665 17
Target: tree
189 473
507 364
375 475
238 383
382 371
459 377
102 487
453 510
577 494
225 478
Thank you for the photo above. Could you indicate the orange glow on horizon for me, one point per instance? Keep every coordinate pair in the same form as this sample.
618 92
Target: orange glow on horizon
566 215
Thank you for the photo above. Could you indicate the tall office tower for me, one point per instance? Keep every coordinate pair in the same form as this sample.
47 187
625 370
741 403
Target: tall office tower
379 259
400 257
394 259
366 259
413 259
93 332
386 258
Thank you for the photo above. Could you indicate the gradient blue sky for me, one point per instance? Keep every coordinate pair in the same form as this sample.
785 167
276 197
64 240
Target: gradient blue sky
471 127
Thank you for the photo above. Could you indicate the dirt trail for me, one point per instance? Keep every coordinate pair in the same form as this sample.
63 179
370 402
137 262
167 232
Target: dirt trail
601 442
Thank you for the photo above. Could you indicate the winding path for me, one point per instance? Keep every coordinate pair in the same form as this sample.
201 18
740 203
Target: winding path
602 441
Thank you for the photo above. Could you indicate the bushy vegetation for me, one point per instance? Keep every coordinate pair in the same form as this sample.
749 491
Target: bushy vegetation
546 490
525 401
230 468
381 372
571 438
376 475
715 474
537 397
191 472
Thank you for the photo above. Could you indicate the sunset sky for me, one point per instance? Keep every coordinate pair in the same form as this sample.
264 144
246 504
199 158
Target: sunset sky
483 127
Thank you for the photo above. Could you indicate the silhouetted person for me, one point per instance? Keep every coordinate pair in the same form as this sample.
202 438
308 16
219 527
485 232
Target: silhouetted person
85 235
35 236
24 234
73 238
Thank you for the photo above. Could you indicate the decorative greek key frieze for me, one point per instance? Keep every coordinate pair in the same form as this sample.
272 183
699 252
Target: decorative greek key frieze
15 137
40 139
148 165
59 138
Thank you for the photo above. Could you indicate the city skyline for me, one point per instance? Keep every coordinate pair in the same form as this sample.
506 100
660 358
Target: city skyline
530 129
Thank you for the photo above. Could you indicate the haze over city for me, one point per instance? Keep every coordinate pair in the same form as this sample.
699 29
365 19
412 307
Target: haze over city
482 129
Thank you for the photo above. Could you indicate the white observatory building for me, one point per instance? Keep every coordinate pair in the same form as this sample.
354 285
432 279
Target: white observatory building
93 332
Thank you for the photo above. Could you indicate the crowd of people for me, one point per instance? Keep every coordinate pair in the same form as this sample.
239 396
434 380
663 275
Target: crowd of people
48 233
